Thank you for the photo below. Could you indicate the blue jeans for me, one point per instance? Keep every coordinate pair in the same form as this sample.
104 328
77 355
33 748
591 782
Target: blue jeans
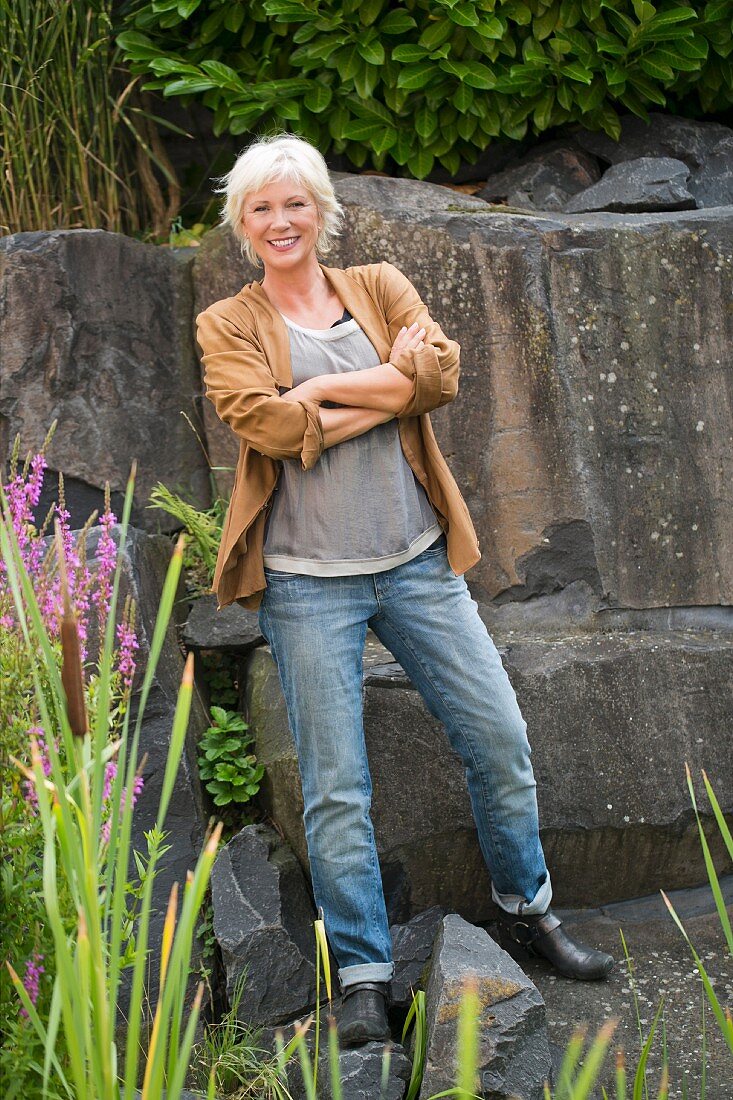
424 614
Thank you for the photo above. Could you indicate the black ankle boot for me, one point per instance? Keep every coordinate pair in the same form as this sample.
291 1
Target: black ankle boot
544 936
363 1014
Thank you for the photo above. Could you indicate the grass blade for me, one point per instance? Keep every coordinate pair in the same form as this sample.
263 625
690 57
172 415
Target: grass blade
709 865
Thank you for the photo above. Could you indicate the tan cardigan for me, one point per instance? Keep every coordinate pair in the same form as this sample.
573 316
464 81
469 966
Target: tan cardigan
246 357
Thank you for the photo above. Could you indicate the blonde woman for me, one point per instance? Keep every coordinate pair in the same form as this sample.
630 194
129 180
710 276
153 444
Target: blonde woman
344 515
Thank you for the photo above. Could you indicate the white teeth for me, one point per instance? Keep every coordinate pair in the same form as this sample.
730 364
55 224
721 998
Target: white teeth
284 244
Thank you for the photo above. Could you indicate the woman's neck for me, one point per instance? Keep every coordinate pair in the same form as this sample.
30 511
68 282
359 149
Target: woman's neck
300 289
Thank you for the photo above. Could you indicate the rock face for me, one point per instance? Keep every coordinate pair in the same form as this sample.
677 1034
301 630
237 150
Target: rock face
412 946
705 147
263 921
361 1073
612 719
545 178
231 630
514 1054
591 436
648 183
95 330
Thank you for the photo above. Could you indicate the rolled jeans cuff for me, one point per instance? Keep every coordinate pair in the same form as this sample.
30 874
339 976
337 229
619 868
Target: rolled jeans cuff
365 972
510 903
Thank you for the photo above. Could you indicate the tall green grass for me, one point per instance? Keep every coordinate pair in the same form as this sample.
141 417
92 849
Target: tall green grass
78 142
82 1060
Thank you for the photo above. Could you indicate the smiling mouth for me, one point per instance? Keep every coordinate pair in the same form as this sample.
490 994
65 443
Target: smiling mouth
284 244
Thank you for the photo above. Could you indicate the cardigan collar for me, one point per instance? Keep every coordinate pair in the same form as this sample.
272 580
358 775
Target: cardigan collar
362 307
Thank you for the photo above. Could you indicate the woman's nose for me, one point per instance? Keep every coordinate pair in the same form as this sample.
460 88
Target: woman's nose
281 217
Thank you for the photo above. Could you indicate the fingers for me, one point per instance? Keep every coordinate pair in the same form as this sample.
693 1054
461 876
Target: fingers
409 338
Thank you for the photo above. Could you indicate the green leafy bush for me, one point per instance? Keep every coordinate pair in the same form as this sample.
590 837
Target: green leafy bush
429 80
230 774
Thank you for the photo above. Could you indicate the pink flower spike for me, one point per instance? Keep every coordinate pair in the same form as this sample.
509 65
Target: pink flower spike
31 978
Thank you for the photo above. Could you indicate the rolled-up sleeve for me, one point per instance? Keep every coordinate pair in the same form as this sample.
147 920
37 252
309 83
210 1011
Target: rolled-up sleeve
435 367
241 387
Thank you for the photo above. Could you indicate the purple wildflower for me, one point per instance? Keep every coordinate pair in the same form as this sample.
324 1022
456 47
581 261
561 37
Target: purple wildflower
128 643
137 787
30 788
31 978
107 559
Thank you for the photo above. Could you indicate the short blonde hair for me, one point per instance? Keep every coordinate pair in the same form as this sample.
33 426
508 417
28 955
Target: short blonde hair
276 157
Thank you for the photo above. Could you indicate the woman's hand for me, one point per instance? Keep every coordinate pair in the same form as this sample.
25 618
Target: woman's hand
307 389
408 339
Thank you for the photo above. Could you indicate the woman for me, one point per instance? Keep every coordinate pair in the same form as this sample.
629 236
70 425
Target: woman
345 515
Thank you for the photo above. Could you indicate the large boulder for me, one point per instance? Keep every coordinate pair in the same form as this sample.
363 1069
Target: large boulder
263 922
95 331
513 1050
612 718
591 434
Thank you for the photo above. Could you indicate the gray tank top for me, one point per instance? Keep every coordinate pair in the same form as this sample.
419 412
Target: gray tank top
360 509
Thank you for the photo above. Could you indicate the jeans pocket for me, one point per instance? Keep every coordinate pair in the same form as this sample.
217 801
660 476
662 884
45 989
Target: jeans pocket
440 546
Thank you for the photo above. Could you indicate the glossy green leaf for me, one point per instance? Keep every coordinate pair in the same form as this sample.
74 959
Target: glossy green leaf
318 98
372 52
413 77
421 163
224 75
188 85
464 14
655 68
407 54
369 10
462 98
397 22
436 34
479 76
425 122
577 72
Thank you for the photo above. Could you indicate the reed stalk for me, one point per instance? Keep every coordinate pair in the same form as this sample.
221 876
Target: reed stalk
74 144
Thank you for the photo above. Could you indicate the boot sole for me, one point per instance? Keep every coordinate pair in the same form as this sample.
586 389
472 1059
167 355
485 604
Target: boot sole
360 1040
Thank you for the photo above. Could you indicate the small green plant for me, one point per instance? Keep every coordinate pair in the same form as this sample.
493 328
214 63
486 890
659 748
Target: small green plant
231 1057
204 527
722 1014
231 775
180 237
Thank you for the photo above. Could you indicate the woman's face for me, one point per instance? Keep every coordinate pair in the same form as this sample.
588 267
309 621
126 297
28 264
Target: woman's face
281 222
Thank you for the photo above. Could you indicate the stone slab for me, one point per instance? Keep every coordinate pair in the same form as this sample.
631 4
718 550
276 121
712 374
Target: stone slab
263 922
612 720
591 434
513 1051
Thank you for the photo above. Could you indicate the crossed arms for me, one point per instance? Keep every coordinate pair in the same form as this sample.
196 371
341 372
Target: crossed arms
422 375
